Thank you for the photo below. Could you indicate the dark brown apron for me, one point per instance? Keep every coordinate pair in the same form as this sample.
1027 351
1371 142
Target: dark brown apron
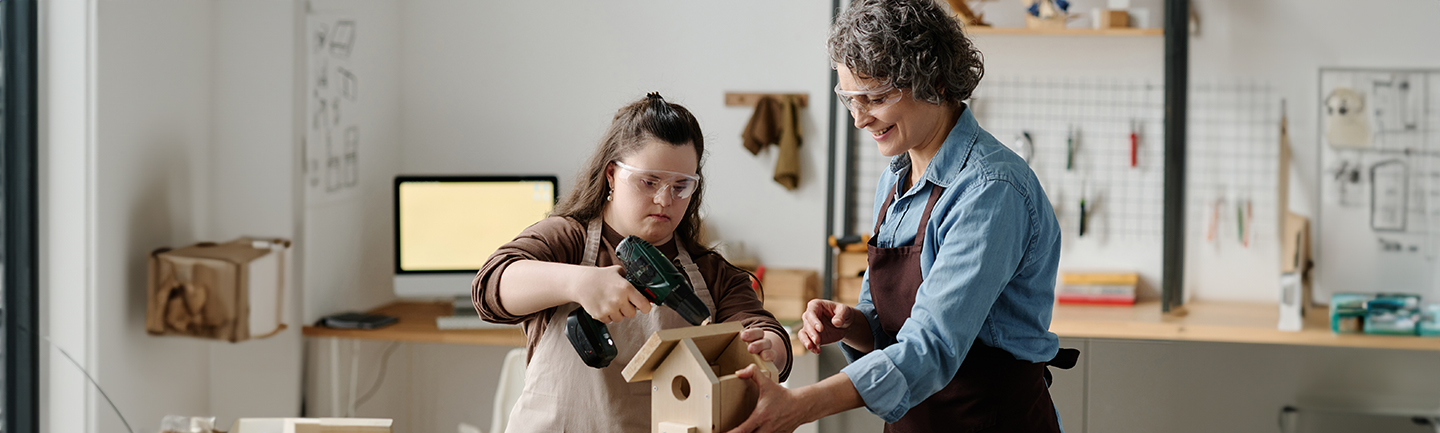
992 390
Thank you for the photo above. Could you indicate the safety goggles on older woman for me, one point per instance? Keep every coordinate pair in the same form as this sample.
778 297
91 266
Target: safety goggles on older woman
868 100
655 182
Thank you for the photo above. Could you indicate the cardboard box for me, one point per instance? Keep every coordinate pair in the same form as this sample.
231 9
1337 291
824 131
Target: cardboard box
787 291
233 291
847 290
851 264
1114 19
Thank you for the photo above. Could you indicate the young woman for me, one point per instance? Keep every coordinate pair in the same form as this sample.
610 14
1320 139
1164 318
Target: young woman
644 180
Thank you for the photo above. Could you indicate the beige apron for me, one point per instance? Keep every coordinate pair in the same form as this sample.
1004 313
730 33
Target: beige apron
562 394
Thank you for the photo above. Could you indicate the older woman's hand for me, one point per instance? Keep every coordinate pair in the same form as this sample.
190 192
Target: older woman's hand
825 322
775 410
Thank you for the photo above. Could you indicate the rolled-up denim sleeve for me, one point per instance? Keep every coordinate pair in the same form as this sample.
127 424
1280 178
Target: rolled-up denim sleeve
981 241
867 309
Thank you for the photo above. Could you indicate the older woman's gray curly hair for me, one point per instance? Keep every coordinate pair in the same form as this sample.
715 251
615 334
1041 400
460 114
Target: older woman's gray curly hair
910 44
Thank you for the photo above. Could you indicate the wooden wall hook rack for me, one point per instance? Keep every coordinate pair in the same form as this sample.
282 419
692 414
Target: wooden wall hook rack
735 99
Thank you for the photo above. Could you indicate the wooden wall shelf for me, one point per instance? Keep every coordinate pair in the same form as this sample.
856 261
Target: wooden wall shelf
1064 32
417 325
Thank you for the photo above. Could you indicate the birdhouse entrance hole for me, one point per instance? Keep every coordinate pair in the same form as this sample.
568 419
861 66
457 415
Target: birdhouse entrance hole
681 387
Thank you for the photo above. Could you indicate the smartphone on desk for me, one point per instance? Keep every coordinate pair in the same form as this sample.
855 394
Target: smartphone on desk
353 320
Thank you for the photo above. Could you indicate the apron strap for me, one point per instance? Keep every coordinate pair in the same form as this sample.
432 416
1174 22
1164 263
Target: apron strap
935 192
592 243
697 281
1064 359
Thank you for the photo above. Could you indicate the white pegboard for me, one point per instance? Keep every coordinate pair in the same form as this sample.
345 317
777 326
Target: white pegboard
1233 151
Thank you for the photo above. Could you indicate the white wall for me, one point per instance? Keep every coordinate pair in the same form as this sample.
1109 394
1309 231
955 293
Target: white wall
347 244
153 100
252 171
170 123
529 87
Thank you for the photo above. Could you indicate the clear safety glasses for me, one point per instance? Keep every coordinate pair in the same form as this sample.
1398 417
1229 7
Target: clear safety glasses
655 182
868 101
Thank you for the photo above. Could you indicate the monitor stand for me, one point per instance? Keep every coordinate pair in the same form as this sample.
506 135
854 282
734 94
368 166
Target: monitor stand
464 316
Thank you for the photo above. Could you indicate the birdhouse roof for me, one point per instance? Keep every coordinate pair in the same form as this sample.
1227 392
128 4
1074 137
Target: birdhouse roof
711 340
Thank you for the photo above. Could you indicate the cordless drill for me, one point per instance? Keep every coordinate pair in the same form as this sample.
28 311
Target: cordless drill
656 278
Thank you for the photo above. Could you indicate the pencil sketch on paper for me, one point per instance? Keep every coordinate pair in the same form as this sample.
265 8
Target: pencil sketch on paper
1378 220
332 139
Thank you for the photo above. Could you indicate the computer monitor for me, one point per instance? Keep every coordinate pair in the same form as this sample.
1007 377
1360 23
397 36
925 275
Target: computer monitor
447 226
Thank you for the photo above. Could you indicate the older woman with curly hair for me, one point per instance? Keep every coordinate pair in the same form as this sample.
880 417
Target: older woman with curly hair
952 329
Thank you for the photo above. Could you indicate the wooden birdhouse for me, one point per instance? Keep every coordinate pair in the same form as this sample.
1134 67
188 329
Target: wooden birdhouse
692 374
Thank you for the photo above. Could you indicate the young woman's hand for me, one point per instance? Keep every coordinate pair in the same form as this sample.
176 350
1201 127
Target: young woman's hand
758 344
607 296
825 322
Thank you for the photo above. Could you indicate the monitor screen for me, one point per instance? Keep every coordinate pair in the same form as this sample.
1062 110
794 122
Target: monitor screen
451 224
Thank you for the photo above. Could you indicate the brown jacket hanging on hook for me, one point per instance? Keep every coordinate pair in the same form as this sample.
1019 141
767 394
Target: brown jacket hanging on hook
776 120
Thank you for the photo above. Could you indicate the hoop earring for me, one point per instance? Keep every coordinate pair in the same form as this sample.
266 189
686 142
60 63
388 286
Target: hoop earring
611 195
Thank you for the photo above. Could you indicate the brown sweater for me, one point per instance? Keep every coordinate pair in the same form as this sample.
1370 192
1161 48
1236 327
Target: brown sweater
562 240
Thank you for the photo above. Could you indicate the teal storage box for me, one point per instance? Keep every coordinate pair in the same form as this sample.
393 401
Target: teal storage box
1347 312
1429 321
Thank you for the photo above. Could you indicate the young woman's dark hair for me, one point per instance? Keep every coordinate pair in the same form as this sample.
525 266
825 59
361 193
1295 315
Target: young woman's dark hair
650 117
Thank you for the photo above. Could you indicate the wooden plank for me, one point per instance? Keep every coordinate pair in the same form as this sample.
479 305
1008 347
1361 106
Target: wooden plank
643 364
851 263
847 290
736 357
736 398
672 427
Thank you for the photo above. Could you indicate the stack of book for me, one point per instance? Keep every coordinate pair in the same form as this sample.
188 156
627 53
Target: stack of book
1097 288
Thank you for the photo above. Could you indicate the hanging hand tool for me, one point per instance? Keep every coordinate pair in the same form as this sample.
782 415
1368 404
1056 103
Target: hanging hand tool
1070 149
1134 141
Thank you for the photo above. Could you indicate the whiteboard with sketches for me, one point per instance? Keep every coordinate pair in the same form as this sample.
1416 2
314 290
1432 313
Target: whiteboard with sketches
1378 227
332 131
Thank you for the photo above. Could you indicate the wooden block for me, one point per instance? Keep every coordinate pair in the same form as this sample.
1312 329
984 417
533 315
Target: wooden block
847 290
791 283
738 397
1114 19
851 264
1294 243
672 427
786 308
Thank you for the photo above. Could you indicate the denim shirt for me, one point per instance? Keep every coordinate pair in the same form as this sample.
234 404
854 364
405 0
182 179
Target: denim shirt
988 265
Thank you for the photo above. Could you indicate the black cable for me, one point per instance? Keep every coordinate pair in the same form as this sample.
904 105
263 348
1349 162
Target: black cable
87 376
385 359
